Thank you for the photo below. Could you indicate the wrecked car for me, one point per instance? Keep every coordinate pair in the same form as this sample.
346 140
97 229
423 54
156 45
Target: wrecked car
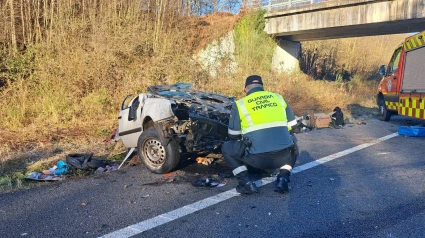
171 120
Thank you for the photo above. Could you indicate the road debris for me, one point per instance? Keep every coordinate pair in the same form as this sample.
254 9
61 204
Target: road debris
222 183
55 173
204 160
172 174
106 169
311 120
127 156
206 182
84 161
112 137
43 177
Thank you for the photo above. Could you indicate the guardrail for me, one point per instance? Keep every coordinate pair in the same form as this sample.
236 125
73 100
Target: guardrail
282 4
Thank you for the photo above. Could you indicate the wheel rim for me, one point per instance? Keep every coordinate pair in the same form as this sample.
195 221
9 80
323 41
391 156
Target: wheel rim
382 108
153 152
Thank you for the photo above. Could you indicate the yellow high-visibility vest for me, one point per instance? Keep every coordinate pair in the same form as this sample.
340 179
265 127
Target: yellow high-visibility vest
261 110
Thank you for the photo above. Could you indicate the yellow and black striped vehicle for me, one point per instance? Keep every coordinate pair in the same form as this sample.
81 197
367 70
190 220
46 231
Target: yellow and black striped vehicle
402 89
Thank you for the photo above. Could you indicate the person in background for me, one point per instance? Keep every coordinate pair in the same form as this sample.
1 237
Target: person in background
259 135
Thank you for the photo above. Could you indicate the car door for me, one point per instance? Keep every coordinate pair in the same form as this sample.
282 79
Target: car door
392 78
130 121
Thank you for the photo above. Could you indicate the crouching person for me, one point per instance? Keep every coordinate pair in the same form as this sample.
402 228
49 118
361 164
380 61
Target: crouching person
259 137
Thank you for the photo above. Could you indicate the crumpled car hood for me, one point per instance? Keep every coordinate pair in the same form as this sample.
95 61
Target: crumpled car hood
205 101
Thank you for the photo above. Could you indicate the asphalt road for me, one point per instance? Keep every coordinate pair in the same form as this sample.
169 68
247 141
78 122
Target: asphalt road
376 191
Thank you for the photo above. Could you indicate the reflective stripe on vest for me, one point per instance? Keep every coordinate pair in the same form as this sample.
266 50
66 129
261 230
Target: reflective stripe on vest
261 110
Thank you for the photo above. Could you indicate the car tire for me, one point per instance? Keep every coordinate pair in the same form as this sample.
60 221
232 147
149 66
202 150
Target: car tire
154 155
384 114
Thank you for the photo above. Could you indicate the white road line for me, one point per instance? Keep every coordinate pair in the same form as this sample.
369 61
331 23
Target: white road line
207 202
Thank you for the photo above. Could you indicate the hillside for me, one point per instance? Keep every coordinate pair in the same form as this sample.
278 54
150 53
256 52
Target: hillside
64 73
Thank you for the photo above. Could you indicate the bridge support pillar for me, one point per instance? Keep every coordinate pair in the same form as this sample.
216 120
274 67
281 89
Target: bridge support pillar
286 56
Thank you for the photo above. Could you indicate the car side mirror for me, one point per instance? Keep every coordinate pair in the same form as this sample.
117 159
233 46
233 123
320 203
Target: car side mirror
382 70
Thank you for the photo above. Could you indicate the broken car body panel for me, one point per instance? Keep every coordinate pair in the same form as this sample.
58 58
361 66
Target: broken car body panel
197 119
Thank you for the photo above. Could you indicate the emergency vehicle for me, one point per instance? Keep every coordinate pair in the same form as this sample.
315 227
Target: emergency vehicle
402 89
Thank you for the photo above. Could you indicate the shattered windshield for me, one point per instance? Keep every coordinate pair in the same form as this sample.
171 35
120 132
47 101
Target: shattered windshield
183 85
182 91
171 94
172 91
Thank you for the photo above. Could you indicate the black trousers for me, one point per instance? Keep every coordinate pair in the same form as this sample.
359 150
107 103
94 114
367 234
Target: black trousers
266 161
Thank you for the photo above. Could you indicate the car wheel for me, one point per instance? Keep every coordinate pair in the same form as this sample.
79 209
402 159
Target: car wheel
157 157
384 114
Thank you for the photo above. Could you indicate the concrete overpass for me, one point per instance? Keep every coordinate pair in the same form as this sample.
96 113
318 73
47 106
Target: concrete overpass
346 18
333 19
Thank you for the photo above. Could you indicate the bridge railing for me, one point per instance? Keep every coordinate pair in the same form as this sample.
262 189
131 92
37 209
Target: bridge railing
282 4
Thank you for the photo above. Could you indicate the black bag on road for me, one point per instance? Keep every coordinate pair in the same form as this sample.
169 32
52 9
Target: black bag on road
83 161
337 118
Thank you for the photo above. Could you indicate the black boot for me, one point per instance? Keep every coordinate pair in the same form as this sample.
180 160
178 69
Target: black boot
246 186
282 181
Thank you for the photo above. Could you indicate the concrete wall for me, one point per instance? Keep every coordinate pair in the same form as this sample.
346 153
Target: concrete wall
286 56
218 57
347 18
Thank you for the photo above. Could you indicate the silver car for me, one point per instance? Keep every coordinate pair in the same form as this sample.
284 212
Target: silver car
171 120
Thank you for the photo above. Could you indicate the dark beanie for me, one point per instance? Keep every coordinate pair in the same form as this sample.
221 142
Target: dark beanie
253 79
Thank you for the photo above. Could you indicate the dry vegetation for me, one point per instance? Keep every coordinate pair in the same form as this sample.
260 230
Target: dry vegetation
65 66
345 71
344 59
